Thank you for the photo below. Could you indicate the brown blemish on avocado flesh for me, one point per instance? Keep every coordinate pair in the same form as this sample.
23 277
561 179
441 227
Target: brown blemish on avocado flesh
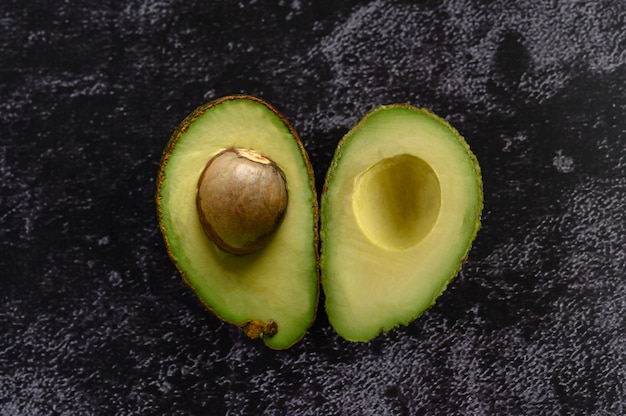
241 200
258 329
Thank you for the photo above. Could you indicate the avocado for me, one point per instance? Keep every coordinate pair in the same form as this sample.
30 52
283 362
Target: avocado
400 209
237 207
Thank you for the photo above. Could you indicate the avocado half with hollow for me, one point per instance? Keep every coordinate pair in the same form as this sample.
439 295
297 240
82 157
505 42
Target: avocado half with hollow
400 209
237 207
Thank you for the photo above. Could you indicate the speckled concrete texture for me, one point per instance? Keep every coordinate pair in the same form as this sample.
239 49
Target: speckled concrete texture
94 319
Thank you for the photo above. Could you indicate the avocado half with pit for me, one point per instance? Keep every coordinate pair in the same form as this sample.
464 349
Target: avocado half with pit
237 208
400 209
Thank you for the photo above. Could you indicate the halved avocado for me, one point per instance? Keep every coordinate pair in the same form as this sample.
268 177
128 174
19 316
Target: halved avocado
271 292
401 207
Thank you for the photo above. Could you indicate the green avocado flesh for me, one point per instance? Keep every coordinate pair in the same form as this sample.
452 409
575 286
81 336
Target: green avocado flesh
276 286
400 209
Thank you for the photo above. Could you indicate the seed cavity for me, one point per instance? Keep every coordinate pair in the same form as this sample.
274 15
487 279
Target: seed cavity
397 201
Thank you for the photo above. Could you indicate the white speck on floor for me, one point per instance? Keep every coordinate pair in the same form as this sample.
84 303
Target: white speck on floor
562 162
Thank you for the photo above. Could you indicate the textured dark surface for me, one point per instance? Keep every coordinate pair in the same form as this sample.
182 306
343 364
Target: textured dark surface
95 320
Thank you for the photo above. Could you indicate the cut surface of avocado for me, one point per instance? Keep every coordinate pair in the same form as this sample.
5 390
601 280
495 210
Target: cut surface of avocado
272 292
400 209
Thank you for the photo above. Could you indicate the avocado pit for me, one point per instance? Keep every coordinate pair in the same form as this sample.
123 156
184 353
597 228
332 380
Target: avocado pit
241 200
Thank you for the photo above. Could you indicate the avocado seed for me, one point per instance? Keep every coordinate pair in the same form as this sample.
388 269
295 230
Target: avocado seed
241 200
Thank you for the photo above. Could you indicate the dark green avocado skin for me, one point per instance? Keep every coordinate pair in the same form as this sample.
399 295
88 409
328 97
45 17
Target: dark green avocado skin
94 319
